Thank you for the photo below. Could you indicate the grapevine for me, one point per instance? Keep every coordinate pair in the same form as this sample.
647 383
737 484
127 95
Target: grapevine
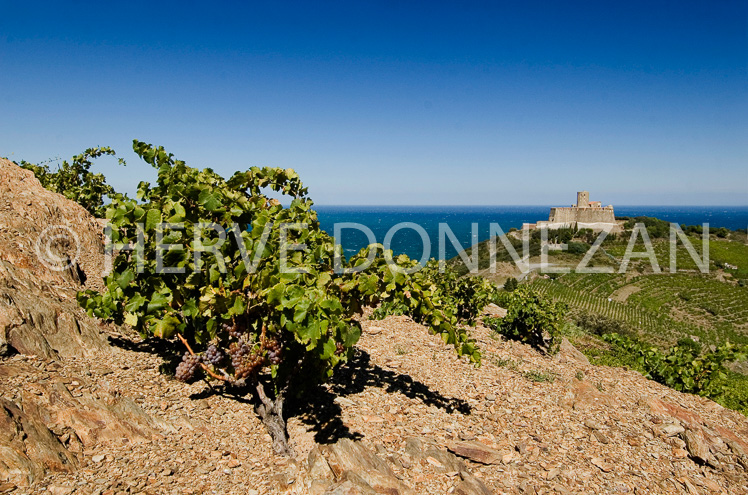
253 309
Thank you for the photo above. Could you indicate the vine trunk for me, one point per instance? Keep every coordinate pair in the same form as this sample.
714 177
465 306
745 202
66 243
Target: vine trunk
270 412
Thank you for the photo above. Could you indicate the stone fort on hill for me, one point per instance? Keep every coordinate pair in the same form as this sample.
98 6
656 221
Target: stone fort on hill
585 214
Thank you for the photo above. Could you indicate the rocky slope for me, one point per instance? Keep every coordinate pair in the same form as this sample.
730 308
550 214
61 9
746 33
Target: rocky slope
84 408
50 247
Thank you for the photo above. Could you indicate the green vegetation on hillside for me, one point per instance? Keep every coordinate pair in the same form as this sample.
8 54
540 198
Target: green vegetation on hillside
662 307
207 264
75 181
686 366
277 330
734 253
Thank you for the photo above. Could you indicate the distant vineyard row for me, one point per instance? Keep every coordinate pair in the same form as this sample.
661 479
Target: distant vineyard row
661 307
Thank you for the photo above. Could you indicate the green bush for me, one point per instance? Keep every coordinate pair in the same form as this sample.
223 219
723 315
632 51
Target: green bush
577 247
391 307
588 235
656 228
462 297
511 284
692 229
467 295
736 393
684 366
561 236
75 181
540 376
689 345
598 324
530 319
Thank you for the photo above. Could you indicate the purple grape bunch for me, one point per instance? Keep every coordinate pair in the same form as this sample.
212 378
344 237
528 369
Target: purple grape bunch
245 359
273 351
234 329
215 356
187 369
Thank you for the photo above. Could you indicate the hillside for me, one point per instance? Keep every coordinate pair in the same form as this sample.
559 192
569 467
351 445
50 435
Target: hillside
659 307
91 408
654 308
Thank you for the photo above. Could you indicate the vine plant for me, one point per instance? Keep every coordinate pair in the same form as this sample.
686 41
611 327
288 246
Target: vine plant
258 294
465 296
75 181
686 367
531 319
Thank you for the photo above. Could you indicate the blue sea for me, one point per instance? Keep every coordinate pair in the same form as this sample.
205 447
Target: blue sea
459 219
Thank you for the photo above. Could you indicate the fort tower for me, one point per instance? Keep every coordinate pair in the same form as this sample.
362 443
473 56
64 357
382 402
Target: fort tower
583 199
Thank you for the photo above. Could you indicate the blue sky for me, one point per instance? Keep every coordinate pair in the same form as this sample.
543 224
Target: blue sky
395 102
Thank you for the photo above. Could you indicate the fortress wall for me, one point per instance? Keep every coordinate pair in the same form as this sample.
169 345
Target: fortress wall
581 215
595 215
563 215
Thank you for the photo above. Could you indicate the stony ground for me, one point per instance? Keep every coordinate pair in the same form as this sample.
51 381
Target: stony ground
557 425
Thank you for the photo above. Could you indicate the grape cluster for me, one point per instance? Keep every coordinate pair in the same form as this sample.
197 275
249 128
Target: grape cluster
235 330
237 350
214 356
274 349
339 349
245 359
187 368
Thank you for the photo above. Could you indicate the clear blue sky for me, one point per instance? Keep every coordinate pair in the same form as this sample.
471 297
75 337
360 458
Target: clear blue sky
395 102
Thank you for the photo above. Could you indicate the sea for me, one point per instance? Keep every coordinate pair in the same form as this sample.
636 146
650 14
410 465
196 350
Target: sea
415 230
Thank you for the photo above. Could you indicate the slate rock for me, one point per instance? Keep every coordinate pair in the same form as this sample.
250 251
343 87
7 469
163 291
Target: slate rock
476 451
353 462
29 450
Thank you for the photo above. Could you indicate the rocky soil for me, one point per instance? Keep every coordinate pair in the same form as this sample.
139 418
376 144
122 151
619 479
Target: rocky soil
86 408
